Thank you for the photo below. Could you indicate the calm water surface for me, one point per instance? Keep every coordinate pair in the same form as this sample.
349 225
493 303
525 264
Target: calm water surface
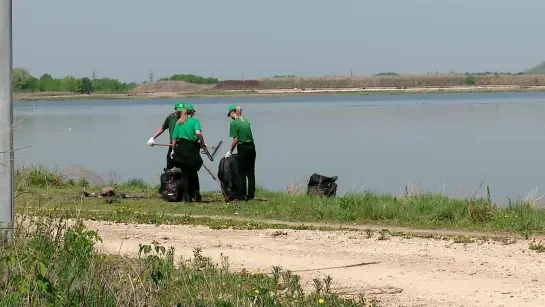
447 143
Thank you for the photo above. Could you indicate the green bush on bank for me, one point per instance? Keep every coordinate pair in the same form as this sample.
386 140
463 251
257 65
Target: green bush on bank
41 177
52 263
191 78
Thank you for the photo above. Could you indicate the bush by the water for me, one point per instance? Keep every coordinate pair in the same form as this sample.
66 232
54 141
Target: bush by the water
191 78
54 263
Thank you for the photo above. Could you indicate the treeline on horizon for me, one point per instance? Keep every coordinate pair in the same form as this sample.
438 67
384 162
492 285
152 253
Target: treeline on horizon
24 82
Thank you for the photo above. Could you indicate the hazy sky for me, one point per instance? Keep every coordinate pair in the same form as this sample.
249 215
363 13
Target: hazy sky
127 39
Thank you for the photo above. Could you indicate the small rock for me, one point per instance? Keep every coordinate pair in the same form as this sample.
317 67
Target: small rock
84 194
107 191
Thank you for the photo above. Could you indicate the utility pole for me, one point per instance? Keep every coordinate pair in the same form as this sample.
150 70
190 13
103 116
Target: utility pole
151 76
94 75
7 167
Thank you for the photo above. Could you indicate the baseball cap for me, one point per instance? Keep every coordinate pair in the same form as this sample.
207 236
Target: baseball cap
179 106
232 107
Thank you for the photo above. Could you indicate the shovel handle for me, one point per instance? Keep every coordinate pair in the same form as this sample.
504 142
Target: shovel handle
169 145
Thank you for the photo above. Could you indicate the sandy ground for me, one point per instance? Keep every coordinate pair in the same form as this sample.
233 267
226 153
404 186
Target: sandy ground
397 272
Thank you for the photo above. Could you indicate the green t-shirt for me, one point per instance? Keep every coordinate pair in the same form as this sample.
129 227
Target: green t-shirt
187 130
241 129
169 123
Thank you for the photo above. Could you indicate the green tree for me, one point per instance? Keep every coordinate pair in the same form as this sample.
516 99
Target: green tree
45 83
69 84
21 79
86 86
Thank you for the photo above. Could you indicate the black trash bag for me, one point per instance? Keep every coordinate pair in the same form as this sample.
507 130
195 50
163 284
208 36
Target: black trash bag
321 185
171 185
228 176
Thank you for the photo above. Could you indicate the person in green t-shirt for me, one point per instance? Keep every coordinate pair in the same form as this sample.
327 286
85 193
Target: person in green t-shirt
187 139
241 132
168 124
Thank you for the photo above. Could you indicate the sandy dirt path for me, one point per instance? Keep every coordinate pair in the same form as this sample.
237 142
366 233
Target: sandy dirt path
397 272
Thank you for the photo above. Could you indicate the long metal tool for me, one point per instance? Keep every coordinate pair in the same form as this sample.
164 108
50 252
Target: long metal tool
7 166
216 148
169 145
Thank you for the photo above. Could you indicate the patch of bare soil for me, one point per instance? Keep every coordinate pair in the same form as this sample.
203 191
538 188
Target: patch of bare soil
171 87
397 271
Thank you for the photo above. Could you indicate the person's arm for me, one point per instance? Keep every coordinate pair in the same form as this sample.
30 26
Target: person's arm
233 144
198 131
158 132
201 138
162 129
233 132
175 133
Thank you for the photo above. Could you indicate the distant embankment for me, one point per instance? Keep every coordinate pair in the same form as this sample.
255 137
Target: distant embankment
395 81
387 81
171 87
313 85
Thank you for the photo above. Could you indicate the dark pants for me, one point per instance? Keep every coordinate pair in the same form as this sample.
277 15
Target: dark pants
187 157
170 163
190 184
246 169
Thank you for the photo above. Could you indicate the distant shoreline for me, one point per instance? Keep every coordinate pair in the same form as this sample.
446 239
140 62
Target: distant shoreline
44 96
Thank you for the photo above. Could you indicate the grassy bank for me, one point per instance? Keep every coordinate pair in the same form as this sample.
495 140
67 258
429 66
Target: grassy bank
42 190
53 263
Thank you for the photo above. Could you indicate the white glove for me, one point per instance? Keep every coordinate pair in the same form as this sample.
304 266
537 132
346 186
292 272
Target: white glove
172 154
151 142
228 154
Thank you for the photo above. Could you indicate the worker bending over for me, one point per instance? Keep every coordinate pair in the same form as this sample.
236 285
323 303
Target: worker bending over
243 139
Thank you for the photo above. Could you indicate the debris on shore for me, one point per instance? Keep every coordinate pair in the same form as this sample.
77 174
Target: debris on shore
109 192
